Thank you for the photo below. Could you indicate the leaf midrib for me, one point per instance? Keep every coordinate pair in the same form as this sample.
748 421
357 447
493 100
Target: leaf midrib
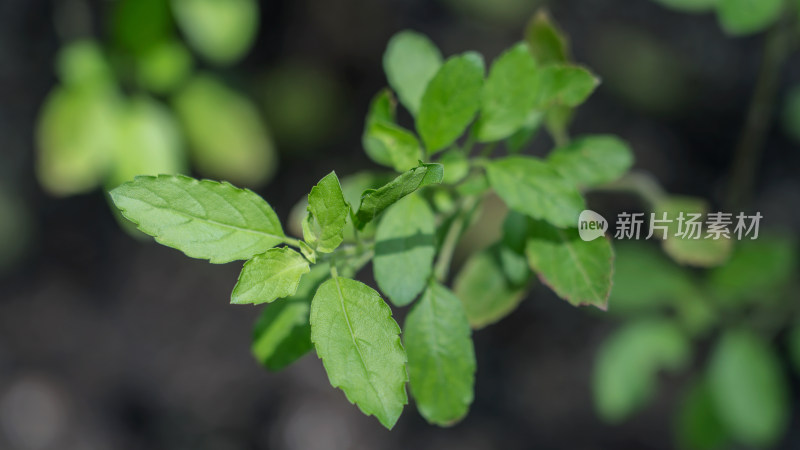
581 269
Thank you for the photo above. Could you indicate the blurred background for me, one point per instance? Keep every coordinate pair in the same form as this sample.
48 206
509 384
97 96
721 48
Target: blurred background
108 340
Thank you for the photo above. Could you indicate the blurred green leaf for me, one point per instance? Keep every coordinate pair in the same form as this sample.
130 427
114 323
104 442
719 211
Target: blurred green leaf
374 201
441 357
690 250
546 41
516 228
791 111
759 270
225 133
76 136
404 249
358 341
283 333
410 62
162 68
749 388
83 62
148 142
140 25
327 214
221 31
532 187
689 6
565 85
698 426
742 17
204 219
450 101
517 141
16 228
269 276
578 271
456 166
508 95
627 366
484 289
393 144
592 160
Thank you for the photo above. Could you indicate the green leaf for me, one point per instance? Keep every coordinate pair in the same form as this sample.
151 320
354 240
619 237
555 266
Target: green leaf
392 145
225 132
578 271
758 271
410 62
532 187
790 116
564 85
283 332
221 31
128 17
359 344
698 426
374 201
742 17
517 141
441 357
274 274
749 388
484 289
701 252
451 101
627 366
164 67
689 6
148 142
456 166
592 160
516 227
547 43
404 249
328 213
508 96
83 63
204 219
76 132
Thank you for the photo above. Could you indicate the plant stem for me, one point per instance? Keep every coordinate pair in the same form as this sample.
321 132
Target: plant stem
640 183
442 266
747 156
291 241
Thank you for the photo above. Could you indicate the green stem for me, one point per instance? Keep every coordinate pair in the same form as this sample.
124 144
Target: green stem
291 241
442 266
747 156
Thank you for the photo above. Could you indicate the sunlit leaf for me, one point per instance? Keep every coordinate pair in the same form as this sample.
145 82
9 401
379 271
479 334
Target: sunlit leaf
410 62
374 201
592 160
327 214
271 275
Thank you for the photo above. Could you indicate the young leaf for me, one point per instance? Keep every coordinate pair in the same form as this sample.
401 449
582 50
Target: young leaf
451 101
578 271
328 213
564 85
592 160
374 201
508 96
393 146
283 333
484 289
410 61
359 344
627 365
546 42
741 17
225 132
404 249
532 187
749 388
204 219
441 357
274 274
220 31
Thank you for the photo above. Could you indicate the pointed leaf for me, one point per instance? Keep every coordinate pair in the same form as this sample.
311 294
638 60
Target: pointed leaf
404 249
577 270
592 160
283 332
374 201
450 101
328 213
508 96
269 276
410 61
441 357
532 187
204 219
547 43
359 344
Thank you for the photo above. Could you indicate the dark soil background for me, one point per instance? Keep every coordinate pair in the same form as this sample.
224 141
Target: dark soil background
111 343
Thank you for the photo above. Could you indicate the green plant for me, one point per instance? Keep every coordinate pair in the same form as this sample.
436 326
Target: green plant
409 225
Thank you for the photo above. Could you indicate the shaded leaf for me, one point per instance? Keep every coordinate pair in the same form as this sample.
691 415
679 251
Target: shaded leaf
742 17
698 426
359 344
547 43
204 219
374 201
